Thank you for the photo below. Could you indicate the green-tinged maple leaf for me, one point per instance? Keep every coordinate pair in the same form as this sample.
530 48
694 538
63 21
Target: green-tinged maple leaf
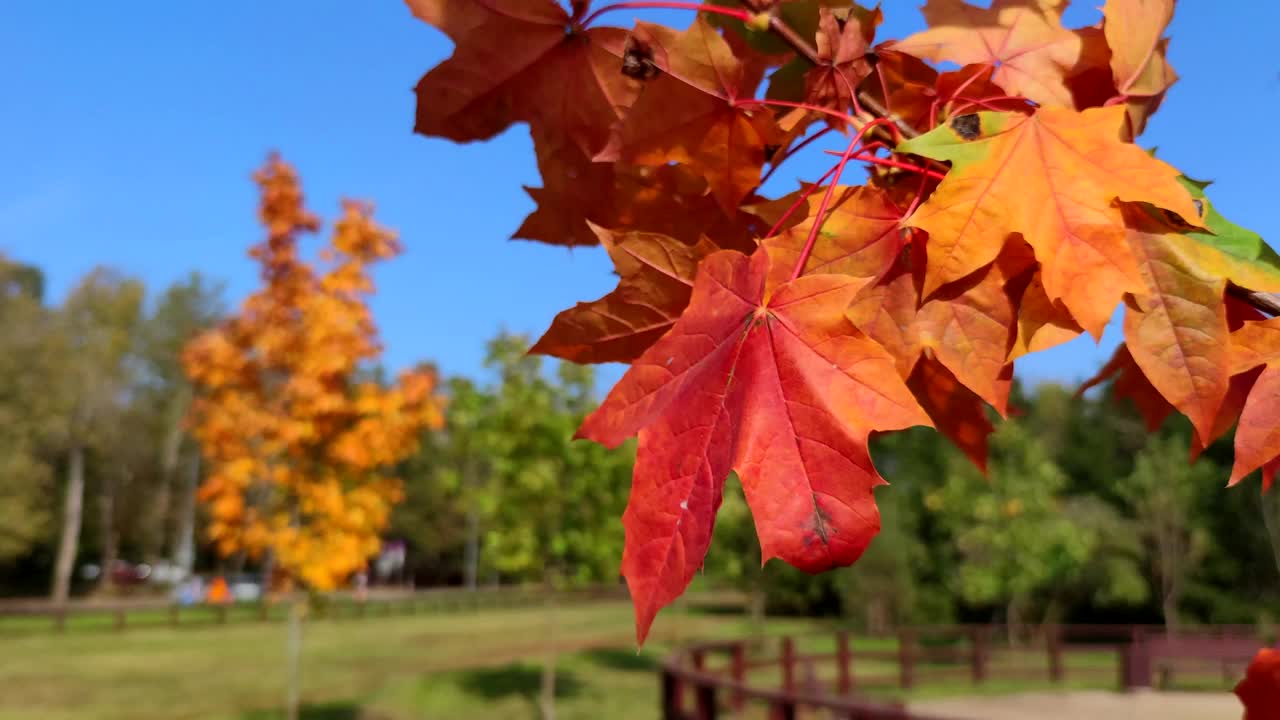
698 111
777 386
1134 31
799 15
1054 177
957 413
1224 234
1024 41
526 62
655 281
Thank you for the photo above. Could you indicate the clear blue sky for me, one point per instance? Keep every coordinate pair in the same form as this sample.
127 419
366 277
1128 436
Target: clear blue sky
128 132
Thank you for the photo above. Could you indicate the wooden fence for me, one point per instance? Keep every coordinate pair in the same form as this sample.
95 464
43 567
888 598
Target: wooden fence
825 677
121 614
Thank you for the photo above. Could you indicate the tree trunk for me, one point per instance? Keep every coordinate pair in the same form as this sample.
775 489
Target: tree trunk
184 537
293 659
757 604
547 705
1169 606
71 515
110 534
170 453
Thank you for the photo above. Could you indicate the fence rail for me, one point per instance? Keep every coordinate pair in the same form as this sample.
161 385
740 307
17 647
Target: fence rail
702 681
125 613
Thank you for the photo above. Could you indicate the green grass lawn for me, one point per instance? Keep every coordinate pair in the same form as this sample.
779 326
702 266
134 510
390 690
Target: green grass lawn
443 664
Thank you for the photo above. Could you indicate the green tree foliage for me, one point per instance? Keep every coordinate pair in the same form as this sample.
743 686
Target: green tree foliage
26 412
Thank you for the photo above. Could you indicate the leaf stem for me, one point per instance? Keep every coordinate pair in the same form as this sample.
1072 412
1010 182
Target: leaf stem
865 157
799 201
821 216
742 15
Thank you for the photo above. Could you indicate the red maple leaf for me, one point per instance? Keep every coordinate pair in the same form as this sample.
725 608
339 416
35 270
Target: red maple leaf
770 381
1260 688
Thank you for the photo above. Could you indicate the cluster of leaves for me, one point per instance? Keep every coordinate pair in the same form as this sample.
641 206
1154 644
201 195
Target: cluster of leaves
299 446
1006 210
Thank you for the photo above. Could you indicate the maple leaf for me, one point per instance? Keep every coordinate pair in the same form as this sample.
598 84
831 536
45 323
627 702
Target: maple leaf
969 326
1042 323
656 279
526 62
860 236
575 192
1176 328
1134 30
1257 344
1259 690
842 54
774 383
887 311
1052 176
698 111
1129 382
958 414
1024 41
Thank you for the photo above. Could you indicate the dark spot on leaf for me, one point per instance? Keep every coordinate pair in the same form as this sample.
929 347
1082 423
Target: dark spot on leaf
820 522
637 60
967 126
771 150
1199 206
872 57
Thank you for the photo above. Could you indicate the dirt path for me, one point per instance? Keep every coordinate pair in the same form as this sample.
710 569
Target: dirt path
1090 704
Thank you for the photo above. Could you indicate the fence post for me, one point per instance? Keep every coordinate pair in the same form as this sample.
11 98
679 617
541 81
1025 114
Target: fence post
843 661
671 709
1135 665
704 695
783 710
788 664
980 637
739 670
1053 639
906 658
120 618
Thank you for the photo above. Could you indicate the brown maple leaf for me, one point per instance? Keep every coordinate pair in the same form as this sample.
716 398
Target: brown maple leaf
699 111
526 62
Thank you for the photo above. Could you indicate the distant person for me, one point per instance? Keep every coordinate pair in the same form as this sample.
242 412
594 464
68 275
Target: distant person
362 586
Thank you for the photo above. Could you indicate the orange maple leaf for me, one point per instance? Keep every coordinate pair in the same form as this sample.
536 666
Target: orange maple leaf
956 411
1024 41
773 383
1054 177
1134 31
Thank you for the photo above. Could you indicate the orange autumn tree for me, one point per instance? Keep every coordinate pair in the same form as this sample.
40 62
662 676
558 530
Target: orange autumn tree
299 447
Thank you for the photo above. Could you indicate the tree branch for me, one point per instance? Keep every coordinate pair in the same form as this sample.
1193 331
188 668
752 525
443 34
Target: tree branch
1268 303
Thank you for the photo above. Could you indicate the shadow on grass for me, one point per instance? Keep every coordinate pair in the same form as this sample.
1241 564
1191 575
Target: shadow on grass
516 679
325 711
622 659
